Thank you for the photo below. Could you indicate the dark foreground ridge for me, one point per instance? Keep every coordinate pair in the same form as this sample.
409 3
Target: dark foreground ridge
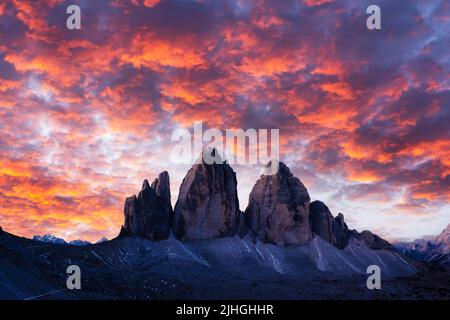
222 268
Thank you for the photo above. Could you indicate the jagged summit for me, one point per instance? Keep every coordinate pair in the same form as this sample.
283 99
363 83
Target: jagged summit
210 155
278 209
145 185
335 230
149 215
208 204
444 237
161 185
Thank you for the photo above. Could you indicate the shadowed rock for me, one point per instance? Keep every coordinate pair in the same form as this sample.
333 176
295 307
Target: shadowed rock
335 230
207 205
149 215
278 209
372 240
242 228
161 185
332 230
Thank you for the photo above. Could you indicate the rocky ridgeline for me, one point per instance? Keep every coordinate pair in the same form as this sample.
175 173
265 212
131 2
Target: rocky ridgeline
149 215
279 210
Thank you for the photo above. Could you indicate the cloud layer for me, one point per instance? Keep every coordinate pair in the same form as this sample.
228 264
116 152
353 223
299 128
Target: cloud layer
85 115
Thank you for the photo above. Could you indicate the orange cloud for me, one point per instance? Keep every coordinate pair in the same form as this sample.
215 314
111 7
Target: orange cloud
147 50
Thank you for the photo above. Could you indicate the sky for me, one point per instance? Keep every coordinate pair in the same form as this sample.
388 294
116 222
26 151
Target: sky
86 115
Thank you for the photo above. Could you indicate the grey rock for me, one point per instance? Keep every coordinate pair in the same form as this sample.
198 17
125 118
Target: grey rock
149 215
242 228
161 185
372 240
207 205
332 230
321 221
335 230
341 223
278 209
444 238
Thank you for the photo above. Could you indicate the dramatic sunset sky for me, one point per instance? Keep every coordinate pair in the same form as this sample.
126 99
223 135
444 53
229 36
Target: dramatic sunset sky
86 115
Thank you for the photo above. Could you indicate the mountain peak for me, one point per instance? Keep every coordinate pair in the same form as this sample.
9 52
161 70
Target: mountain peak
145 185
211 156
207 205
49 238
161 185
149 215
278 209
444 236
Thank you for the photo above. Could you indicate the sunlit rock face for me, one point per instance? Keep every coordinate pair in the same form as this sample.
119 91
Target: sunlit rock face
149 215
207 205
278 209
444 239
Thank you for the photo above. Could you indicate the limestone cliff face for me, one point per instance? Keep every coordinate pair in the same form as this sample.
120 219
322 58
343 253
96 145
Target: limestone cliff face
278 209
207 205
149 215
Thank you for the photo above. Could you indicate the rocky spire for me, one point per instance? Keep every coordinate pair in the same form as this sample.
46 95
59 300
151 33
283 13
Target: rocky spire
162 185
278 209
207 205
149 215
321 221
341 223
332 230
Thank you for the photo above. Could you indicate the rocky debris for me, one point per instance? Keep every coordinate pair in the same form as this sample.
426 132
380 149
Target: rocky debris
278 209
207 205
149 215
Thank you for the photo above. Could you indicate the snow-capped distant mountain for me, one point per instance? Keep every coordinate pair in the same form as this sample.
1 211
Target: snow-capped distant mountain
444 239
79 242
52 239
435 250
49 238
104 239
